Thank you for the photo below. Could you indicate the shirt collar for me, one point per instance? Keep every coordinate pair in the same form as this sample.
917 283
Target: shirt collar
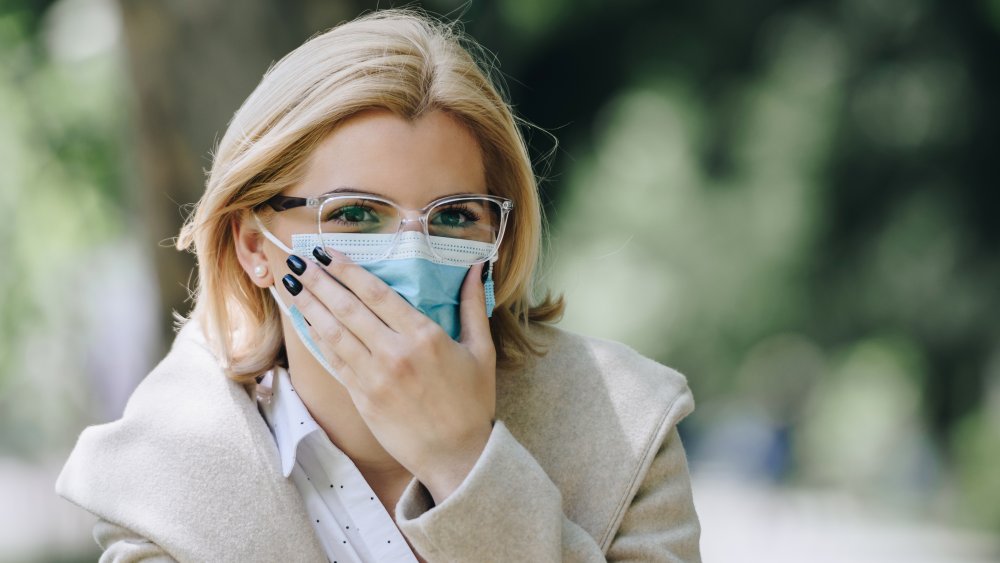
286 415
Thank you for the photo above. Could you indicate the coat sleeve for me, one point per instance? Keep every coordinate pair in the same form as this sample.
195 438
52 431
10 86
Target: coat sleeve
508 509
122 545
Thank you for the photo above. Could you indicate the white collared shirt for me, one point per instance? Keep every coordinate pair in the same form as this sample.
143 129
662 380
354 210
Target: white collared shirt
350 521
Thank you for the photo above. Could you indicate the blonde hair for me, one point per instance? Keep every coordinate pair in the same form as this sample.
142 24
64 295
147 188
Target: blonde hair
398 60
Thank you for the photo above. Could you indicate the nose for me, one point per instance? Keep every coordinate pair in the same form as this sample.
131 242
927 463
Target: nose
410 225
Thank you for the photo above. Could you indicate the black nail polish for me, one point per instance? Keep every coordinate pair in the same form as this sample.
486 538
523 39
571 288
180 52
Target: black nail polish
296 264
321 255
293 285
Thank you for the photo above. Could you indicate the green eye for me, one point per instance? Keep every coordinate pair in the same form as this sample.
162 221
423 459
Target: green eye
451 218
353 214
457 216
352 218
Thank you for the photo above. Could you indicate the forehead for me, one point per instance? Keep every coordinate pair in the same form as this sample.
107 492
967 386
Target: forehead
411 162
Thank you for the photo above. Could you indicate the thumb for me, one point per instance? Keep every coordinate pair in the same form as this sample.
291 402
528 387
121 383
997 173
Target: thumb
475 333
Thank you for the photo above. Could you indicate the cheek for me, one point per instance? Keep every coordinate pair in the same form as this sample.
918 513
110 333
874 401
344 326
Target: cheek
278 269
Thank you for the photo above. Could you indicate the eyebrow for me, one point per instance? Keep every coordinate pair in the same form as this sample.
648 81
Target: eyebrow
349 189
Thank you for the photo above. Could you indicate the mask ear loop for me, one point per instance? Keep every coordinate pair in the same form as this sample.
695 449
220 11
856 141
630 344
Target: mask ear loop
299 322
488 286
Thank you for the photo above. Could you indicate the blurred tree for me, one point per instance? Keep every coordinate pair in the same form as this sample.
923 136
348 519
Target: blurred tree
191 65
832 161
914 118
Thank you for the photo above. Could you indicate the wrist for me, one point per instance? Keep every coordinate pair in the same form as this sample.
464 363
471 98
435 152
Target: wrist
448 471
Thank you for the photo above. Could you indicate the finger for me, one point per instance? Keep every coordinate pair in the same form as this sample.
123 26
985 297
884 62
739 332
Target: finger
330 332
342 370
472 310
344 305
392 309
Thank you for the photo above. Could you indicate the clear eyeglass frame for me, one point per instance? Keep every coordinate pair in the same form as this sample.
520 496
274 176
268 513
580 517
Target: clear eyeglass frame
281 203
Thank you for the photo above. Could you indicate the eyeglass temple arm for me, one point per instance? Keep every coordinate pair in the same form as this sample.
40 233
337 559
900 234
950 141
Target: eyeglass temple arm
284 202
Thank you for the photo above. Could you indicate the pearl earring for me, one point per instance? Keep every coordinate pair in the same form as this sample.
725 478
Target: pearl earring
260 270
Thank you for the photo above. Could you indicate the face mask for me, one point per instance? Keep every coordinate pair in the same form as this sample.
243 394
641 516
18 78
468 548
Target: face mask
411 270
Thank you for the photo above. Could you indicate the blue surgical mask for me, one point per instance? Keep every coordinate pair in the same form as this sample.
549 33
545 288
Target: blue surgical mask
430 286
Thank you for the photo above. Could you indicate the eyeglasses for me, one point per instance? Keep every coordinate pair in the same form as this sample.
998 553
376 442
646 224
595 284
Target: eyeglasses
459 229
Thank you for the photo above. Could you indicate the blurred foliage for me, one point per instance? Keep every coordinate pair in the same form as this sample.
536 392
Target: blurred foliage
790 201
62 145
810 174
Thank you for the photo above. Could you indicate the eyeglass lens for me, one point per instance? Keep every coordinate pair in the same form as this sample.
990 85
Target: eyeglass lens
472 220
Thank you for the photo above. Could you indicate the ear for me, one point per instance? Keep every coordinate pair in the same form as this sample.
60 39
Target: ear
250 250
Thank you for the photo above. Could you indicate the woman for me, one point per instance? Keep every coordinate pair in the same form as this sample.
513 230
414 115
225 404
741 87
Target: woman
384 402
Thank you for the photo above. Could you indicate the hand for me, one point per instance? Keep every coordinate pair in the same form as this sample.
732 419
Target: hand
430 401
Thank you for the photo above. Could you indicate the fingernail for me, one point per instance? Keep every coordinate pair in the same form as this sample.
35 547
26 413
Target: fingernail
321 256
296 264
293 285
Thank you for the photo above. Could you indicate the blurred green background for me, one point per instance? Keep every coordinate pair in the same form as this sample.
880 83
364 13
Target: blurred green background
790 201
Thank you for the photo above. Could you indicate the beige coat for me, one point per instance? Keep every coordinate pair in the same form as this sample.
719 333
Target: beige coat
584 463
